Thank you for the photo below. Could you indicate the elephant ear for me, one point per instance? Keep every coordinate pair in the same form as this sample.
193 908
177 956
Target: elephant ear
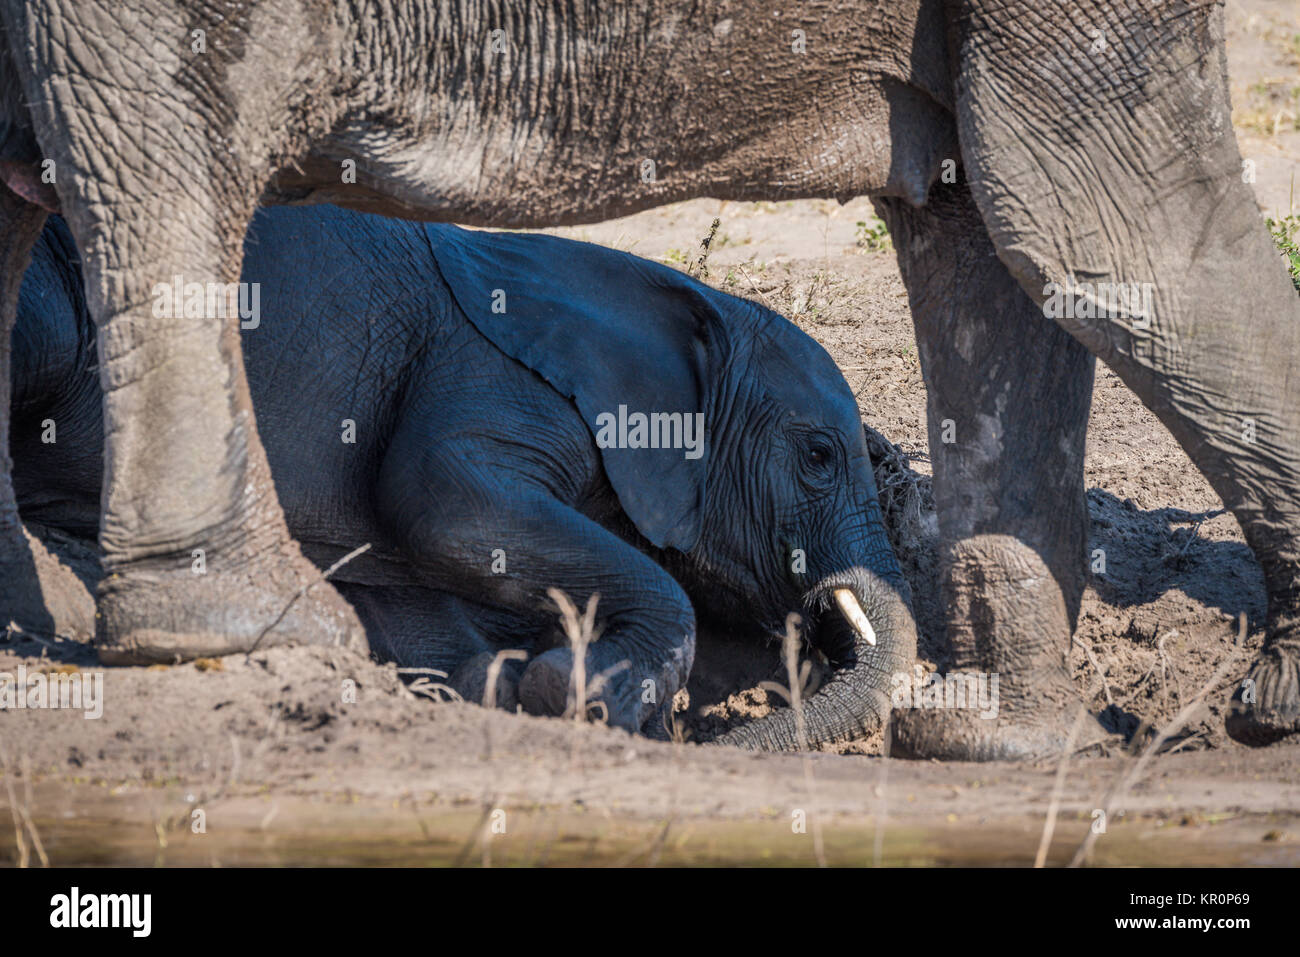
617 334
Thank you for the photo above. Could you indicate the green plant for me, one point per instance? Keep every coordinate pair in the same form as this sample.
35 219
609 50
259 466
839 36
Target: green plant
1284 232
873 236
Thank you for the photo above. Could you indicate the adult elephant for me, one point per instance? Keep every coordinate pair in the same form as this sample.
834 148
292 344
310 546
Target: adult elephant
1012 147
500 414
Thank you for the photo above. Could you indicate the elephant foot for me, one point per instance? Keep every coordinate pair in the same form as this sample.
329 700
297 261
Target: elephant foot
548 684
1007 695
149 616
471 681
1266 706
616 695
41 594
1002 724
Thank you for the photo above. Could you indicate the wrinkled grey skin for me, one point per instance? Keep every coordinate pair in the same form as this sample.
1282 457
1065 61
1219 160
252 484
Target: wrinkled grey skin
475 472
1070 160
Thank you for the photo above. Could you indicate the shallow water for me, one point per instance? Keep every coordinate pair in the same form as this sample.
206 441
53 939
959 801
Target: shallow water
93 827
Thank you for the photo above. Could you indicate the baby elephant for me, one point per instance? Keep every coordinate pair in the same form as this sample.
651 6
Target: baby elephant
499 415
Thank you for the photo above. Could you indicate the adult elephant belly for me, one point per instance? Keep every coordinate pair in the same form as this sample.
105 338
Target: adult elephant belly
760 108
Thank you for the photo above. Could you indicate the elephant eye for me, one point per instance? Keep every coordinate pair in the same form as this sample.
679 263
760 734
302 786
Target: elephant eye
817 456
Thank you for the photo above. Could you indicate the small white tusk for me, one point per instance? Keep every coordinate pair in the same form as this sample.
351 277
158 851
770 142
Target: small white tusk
848 603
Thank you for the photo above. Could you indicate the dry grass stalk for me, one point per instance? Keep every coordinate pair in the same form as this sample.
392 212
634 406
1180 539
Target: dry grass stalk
1054 805
581 632
701 268
434 690
19 843
798 678
878 840
481 834
494 673
307 586
20 812
1095 667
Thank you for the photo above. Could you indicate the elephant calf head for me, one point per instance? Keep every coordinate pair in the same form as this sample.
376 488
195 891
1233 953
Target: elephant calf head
733 444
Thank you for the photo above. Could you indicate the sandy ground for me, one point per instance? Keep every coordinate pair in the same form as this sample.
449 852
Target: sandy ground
314 756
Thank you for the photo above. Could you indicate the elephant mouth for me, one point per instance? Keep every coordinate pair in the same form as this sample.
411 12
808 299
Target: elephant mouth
861 622
837 624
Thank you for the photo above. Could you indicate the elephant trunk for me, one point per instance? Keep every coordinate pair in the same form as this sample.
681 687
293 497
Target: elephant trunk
864 626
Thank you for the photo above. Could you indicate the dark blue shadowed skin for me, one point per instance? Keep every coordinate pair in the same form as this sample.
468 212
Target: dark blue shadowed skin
470 371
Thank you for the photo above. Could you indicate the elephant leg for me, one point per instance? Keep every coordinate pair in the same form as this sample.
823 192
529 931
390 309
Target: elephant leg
160 161
1102 159
196 555
1008 394
492 540
37 592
